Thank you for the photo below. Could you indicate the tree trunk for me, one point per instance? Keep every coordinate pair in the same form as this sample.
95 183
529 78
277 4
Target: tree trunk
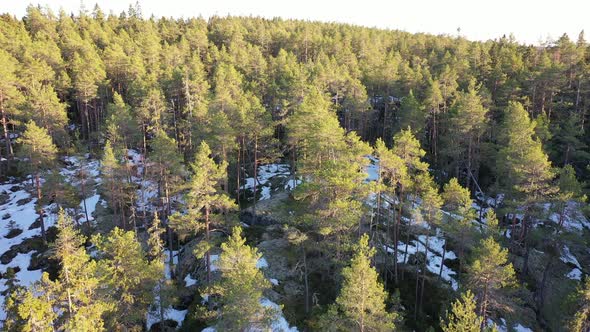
238 177
38 184
207 254
255 177
306 280
9 151
424 269
83 185
484 304
396 235
443 257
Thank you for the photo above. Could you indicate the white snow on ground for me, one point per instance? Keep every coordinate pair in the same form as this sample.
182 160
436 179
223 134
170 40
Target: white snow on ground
575 274
292 184
279 324
153 315
502 326
90 207
212 260
264 175
567 257
262 263
264 193
167 262
520 328
189 281
434 261
573 217
372 169
25 214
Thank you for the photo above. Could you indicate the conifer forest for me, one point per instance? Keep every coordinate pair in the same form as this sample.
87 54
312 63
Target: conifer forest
253 174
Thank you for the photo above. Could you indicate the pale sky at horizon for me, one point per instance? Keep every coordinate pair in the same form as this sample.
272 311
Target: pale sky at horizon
530 21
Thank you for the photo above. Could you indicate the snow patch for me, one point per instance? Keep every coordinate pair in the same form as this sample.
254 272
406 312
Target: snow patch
568 258
575 274
189 281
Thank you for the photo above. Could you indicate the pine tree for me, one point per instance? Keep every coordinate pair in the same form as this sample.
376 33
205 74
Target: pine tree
164 288
45 109
570 190
78 286
581 320
407 148
88 73
431 214
492 224
241 286
149 115
14 294
35 311
113 183
526 171
432 102
463 317
56 190
412 115
361 301
394 173
37 147
460 222
166 170
129 277
10 96
121 126
466 124
205 201
490 276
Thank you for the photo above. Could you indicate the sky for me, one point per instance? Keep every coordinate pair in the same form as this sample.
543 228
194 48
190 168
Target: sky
530 21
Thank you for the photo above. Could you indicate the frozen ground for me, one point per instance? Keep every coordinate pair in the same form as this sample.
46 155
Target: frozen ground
270 178
18 211
434 261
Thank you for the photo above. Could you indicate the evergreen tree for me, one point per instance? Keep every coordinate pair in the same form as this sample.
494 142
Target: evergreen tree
463 317
37 147
490 276
10 96
466 124
581 320
121 126
528 174
166 169
45 109
36 312
78 287
110 171
129 277
241 286
412 115
457 201
361 301
393 172
570 190
205 201
156 249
